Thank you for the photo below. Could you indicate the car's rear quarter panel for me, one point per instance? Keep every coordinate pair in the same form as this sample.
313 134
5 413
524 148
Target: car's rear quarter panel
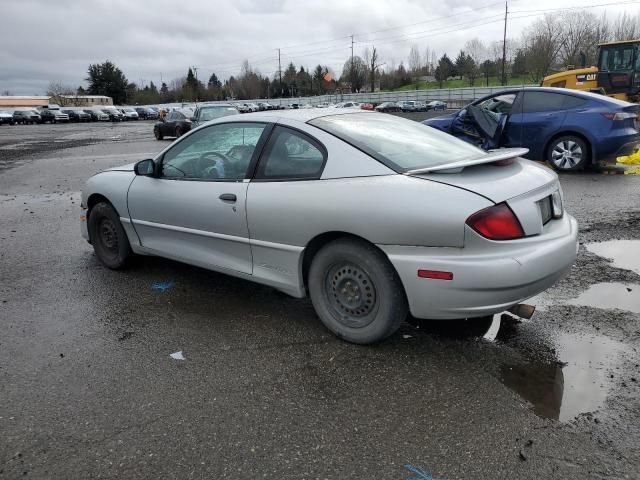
284 217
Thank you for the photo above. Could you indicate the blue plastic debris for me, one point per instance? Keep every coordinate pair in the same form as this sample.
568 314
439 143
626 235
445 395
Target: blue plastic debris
162 286
420 473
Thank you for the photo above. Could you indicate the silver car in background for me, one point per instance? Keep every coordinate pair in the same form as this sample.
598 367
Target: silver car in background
371 215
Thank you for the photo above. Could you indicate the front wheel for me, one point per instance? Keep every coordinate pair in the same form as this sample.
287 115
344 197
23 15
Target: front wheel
108 237
157 133
356 292
568 153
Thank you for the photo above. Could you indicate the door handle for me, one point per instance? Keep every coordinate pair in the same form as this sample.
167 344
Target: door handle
228 197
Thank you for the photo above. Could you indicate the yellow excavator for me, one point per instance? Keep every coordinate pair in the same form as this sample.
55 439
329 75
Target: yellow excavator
617 74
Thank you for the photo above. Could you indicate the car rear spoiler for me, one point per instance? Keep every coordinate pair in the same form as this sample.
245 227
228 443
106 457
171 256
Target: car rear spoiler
456 167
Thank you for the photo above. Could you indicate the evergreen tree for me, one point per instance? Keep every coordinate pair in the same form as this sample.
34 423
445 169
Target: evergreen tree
107 79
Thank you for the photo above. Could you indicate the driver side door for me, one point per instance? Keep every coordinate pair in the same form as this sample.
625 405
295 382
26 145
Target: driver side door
194 210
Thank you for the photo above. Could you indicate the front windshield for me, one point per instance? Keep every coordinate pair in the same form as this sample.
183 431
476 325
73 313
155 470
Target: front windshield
217 112
400 144
617 57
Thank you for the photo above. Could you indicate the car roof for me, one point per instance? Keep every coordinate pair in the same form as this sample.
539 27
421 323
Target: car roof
301 115
562 91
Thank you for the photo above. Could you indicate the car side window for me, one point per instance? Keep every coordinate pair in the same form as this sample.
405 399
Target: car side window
291 155
499 104
543 102
573 102
220 152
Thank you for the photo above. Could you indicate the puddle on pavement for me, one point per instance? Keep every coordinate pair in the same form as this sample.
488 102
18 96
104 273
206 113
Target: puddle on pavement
623 253
576 381
610 295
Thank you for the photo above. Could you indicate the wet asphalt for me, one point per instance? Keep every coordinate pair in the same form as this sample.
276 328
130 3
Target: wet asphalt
88 388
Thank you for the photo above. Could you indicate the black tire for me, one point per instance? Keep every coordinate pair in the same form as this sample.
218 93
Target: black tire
178 132
568 153
356 292
157 133
108 237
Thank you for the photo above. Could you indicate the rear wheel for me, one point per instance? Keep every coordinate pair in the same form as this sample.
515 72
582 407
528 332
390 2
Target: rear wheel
178 132
568 153
108 237
356 292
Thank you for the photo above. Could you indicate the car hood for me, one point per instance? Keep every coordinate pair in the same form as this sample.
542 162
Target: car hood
500 182
122 168
442 122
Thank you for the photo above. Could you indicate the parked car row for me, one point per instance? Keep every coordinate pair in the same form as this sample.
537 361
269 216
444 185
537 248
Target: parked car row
403 106
57 114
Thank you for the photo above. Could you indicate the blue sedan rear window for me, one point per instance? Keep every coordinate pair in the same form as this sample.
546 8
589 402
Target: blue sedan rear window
400 144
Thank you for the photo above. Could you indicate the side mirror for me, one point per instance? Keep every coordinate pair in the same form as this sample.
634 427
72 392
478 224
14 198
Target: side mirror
145 168
193 119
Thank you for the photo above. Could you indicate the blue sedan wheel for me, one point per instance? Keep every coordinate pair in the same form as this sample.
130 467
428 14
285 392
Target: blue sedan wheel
568 153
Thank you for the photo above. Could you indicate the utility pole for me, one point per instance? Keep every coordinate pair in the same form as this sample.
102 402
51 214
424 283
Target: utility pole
280 72
504 44
352 72
195 73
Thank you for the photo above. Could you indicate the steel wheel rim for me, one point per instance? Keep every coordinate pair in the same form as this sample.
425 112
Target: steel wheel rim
566 154
351 295
108 235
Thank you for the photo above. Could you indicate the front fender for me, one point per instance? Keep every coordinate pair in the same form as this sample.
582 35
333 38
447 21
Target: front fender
113 186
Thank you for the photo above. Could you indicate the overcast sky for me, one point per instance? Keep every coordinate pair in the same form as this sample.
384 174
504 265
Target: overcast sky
56 40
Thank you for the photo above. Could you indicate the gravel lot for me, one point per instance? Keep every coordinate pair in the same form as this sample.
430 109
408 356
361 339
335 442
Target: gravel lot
88 388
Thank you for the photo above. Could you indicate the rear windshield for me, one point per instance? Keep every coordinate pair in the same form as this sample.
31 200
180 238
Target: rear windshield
400 144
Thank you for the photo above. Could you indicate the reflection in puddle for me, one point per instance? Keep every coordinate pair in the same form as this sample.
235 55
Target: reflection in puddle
623 253
610 295
576 381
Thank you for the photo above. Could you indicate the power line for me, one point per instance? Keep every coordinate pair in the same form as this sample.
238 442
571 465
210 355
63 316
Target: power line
411 36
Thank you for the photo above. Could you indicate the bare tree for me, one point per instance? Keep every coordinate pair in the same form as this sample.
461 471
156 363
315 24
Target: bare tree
426 61
580 35
543 41
62 94
415 61
372 65
476 50
626 27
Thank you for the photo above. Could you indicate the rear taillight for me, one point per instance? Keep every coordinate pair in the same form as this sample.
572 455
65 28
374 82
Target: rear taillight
496 223
619 115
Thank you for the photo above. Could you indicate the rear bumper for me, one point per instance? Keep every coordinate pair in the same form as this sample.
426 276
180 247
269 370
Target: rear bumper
486 280
624 145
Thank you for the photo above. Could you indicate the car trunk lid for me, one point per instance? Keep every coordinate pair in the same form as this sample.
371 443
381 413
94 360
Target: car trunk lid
498 176
524 185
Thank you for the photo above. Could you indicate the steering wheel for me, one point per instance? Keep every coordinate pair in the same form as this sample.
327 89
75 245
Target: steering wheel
212 170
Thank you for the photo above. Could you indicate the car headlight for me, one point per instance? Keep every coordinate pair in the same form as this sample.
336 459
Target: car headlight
556 203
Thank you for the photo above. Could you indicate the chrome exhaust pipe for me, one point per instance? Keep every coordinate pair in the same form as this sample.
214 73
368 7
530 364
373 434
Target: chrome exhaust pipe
522 310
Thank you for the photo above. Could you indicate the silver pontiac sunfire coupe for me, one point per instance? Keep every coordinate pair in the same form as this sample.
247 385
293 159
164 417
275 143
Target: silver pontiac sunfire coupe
371 215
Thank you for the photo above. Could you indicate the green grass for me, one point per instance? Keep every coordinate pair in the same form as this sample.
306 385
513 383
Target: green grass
479 83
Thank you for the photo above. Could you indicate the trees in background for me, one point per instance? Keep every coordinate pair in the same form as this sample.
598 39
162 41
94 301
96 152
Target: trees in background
107 79
354 73
550 43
